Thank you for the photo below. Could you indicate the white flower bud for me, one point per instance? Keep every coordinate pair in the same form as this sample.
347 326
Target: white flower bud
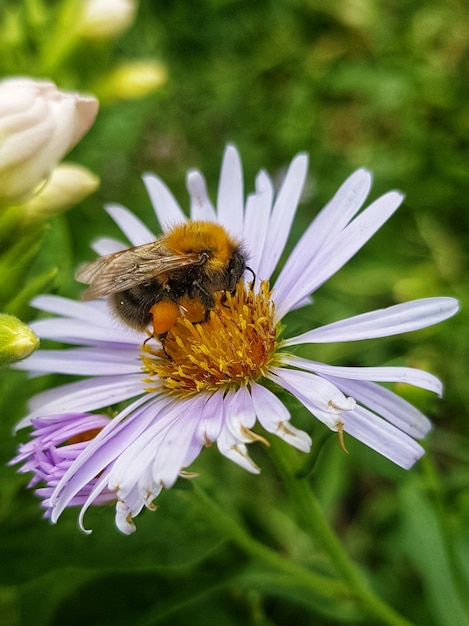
68 185
106 19
39 124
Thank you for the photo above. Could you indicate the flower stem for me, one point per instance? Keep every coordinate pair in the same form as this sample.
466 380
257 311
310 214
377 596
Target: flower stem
319 527
62 39
227 524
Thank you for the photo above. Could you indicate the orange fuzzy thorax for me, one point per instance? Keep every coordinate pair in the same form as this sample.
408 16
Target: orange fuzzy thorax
200 236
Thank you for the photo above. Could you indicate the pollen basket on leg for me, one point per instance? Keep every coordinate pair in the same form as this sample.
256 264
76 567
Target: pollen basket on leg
234 345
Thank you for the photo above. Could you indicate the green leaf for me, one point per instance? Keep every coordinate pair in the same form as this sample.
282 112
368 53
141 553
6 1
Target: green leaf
16 260
427 549
35 285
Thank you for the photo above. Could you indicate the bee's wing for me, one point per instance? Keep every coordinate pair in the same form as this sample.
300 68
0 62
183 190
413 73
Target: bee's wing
125 269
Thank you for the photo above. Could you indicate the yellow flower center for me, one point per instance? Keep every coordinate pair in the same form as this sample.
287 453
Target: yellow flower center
235 345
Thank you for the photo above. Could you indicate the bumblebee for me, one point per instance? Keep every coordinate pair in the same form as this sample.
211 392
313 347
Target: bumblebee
155 282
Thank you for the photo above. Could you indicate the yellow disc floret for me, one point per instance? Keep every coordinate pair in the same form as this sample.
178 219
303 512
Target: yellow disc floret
234 346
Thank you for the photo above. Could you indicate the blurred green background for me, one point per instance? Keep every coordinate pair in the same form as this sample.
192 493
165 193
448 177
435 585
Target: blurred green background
383 85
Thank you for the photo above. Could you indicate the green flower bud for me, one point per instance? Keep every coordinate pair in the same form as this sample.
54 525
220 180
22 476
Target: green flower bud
17 341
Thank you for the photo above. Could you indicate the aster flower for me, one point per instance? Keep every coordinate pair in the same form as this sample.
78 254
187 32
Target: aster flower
222 375
57 441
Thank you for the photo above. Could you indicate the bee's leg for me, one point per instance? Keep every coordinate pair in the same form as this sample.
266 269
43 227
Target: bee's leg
207 301
205 319
152 336
162 338
251 285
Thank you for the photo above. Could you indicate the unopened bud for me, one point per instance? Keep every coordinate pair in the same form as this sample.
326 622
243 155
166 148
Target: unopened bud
106 19
17 341
132 80
68 185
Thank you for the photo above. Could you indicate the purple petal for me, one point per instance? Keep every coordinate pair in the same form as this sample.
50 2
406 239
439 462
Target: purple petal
174 447
236 451
327 225
95 497
211 421
319 396
340 249
85 333
381 436
400 318
84 362
156 457
409 375
386 403
102 451
229 444
84 395
256 220
239 414
275 418
96 311
282 215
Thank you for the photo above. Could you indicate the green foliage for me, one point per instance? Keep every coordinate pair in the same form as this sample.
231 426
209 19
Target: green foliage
383 85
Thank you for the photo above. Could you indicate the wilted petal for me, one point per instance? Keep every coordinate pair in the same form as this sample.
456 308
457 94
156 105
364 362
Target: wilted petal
100 455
